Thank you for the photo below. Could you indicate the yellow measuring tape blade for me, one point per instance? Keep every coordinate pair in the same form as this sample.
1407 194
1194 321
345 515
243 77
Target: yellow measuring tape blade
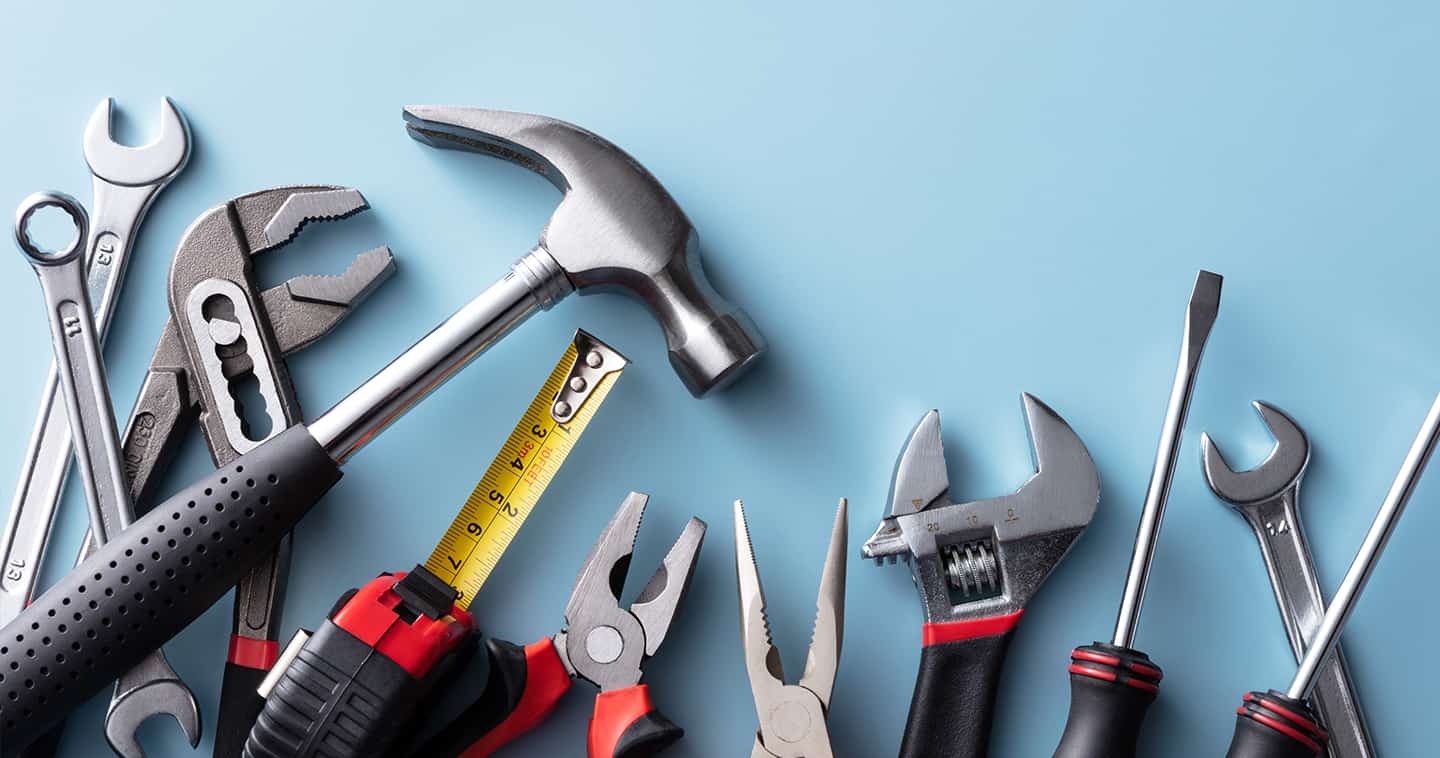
515 480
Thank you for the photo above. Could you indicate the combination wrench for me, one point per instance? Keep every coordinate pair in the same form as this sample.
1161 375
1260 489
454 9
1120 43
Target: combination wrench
91 416
125 181
1267 497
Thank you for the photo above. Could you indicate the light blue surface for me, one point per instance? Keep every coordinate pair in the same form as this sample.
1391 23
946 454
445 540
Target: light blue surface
939 205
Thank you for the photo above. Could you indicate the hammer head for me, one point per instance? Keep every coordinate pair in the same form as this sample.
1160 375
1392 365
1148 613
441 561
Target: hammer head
616 230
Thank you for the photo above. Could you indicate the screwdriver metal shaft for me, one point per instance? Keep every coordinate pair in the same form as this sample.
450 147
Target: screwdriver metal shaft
1364 564
1272 724
1199 318
1112 686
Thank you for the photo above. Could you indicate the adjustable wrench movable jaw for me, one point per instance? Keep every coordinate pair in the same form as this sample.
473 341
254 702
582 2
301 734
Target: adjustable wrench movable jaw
1028 531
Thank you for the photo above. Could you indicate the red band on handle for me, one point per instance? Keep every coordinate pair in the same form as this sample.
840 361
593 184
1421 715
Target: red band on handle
253 653
955 631
546 681
615 711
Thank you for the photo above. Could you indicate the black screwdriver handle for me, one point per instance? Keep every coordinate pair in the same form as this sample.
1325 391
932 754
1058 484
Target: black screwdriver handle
1271 725
955 690
1111 688
150 581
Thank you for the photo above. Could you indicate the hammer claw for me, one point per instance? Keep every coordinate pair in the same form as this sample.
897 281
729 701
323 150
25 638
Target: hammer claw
617 229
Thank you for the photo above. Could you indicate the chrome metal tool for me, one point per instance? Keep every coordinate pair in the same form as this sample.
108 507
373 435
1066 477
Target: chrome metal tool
1276 724
86 394
125 180
607 242
1112 686
977 565
1267 497
792 716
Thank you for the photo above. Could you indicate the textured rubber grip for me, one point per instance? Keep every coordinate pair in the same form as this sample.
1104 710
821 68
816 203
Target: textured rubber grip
338 698
954 698
1270 725
626 725
46 745
151 580
1111 688
522 689
240 706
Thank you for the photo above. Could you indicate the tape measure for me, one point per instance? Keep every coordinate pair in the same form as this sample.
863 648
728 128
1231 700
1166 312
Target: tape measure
515 480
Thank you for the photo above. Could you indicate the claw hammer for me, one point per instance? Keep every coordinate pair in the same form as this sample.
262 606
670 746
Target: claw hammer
616 228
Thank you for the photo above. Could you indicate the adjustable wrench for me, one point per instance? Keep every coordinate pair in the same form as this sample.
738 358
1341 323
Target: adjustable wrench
91 415
1267 497
977 564
181 386
124 182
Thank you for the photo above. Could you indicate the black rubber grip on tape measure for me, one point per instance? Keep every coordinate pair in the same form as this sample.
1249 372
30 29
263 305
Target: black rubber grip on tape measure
153 579
340 698
337 698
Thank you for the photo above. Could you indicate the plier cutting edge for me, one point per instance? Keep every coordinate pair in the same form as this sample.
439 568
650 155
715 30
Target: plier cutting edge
792 716
603 643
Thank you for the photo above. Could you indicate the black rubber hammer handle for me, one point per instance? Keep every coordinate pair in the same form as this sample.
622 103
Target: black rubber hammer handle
152 580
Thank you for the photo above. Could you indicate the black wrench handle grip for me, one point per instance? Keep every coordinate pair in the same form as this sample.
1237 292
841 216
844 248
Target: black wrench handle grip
955 690
153 579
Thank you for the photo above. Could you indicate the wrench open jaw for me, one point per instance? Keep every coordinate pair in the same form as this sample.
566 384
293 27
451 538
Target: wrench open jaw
156 691
1267 497
977 565
125 181
153 163
1281 470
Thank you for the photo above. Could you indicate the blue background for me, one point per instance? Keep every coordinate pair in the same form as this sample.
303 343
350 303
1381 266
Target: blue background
934 205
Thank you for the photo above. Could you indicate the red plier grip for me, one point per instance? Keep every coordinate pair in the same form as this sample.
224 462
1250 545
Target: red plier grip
627 725
523 688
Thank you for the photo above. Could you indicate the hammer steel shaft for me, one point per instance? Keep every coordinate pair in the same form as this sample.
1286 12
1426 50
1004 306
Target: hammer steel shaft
535 282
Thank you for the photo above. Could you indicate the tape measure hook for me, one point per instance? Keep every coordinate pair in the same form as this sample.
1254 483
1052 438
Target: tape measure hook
593 361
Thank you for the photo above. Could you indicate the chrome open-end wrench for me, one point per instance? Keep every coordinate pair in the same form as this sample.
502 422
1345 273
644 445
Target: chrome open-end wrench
1267 497
125 181
91 419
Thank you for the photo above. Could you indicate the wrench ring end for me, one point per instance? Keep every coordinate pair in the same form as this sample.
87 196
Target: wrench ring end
51 199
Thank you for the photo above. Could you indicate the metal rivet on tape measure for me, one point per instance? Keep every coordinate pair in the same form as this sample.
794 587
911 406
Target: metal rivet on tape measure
599 359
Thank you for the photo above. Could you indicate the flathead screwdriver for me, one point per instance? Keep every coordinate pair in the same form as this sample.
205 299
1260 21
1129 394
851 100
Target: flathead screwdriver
1112 685
1283 725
